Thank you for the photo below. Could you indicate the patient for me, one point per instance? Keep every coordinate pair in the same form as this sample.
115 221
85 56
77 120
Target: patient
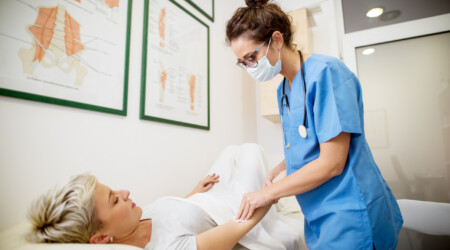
87 211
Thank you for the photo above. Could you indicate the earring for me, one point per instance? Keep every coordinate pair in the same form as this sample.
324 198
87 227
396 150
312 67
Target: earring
111 239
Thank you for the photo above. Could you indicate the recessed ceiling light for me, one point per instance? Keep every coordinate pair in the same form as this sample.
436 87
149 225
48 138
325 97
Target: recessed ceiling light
375 12
368 51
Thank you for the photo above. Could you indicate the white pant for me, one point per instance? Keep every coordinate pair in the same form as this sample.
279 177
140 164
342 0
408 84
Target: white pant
243 169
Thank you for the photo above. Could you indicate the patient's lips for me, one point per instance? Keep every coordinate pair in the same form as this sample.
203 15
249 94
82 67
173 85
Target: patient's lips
133 205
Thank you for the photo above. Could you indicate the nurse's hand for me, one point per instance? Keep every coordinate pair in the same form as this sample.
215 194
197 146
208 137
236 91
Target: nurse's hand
205 184
251 201
276 174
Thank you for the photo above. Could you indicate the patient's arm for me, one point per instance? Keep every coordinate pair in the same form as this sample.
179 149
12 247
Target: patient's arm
280 176
226 236
205 184
274 174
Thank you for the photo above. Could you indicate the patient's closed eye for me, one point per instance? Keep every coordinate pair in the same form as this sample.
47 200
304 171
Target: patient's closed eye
116 200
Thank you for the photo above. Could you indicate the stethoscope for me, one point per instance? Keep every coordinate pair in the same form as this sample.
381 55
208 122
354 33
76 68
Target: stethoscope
301 128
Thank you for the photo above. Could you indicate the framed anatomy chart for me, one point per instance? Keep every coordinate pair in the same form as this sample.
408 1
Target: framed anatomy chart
67 52
175 66
206 7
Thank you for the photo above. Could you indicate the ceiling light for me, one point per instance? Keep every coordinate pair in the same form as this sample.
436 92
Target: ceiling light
368 51
375 12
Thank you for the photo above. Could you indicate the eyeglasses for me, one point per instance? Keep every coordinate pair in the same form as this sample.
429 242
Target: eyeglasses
250 61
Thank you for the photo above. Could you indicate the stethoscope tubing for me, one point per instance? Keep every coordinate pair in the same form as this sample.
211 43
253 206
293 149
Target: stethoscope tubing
284 97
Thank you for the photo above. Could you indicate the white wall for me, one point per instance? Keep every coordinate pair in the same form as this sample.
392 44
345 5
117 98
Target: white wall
42 145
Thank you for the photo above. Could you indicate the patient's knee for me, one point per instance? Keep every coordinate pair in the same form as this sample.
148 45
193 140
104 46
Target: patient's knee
251 149
250 155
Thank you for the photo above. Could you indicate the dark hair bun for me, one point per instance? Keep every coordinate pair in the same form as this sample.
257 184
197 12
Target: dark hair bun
256 3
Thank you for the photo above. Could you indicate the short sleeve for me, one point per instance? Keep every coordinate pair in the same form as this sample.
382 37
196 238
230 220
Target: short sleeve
337 104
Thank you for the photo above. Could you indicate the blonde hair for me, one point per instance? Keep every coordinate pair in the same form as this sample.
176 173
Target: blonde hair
65 214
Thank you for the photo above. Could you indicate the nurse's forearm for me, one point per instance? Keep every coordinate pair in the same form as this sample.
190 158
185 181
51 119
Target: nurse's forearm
330 163
305 179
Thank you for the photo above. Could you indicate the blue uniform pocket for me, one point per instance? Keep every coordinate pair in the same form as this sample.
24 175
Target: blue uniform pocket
338 229
302 150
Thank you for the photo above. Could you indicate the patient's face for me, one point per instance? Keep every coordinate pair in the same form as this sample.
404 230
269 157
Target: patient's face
119 214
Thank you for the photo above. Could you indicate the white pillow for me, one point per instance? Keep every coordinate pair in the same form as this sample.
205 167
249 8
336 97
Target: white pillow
13 238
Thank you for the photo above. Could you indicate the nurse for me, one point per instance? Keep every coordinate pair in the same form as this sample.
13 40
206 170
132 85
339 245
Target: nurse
330 169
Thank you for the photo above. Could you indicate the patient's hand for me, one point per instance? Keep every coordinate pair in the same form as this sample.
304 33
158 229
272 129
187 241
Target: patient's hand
280 176
274 175
205 184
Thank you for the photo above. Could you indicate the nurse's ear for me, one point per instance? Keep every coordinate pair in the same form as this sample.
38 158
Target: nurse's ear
277 40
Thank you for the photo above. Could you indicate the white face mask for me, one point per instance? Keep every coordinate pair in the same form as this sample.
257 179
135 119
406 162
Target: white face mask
264 71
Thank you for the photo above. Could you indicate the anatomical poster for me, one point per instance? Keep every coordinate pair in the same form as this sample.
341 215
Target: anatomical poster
67 52
175 66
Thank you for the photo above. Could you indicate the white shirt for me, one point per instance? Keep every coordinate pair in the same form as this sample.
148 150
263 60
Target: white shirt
175 223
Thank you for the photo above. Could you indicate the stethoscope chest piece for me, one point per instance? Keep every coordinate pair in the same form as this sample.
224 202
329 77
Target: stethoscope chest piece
302 131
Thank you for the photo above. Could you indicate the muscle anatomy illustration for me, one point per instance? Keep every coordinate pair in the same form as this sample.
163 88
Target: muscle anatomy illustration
112 3
162 27
162 82
57 43
191 82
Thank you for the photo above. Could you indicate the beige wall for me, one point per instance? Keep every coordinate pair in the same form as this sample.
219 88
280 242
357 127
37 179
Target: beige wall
42 144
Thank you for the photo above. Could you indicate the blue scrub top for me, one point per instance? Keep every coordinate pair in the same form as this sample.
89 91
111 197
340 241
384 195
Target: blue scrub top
356 209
